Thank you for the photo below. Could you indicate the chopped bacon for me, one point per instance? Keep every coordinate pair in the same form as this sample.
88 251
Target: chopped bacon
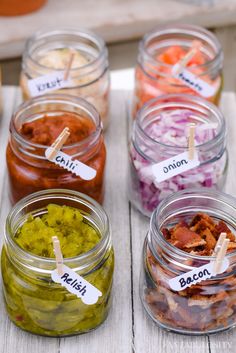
184 238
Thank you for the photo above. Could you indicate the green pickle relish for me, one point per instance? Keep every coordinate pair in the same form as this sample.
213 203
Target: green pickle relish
33 301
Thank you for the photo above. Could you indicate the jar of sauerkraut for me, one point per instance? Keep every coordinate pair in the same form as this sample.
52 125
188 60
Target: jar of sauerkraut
160 135
166 46
35 300
49 52
178 286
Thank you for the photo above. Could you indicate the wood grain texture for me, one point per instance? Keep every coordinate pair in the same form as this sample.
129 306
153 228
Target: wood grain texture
115 20
128 329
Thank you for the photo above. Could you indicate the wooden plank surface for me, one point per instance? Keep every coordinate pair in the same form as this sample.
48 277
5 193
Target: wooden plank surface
127 329
115 20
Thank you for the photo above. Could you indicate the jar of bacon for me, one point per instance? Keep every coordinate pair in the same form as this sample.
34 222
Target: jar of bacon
159 161
35 126
178 287
49 52
166 46
35 300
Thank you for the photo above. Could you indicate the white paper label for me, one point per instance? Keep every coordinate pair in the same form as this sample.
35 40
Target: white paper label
196 83
197 275
174 166
78 168
77 285
47 83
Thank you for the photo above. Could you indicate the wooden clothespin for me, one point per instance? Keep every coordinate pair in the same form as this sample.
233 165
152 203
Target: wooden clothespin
191 144
69 64
58 143
196 45
220 251
58 255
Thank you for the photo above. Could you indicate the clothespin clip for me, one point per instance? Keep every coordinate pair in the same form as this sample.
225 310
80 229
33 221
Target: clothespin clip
58 255
196 45
220 251
58 143
69 64
191 144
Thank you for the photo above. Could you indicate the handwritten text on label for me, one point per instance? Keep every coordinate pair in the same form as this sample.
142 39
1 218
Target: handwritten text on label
174 166
77 285
47 83
78 168
197 275
197 84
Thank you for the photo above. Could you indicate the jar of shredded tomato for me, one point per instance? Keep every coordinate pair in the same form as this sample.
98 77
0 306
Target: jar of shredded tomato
35 126
166 46
16 7
48 52
35 302
159 149
178 287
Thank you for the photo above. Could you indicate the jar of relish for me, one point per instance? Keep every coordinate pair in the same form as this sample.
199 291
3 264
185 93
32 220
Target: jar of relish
35 126
166 46
49 51
34 301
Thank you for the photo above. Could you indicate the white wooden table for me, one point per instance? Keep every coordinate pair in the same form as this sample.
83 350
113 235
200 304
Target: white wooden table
127 329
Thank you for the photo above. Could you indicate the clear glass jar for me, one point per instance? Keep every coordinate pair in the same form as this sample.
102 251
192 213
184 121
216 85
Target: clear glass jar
206 307
29 170
160 132
33 301
165 46
49 51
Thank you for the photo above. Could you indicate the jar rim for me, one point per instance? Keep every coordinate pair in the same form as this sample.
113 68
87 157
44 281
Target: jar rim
54 31
185 29
188 193
87 201
194 103
55 99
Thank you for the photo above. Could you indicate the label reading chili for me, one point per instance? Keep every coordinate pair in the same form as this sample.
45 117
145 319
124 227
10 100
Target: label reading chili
197 275
74 166
174 166
47 83
195 83
77 285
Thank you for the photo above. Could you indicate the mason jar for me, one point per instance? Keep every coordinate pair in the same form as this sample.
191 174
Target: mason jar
34 302
35 126
162 48
160 133
49 51
208 306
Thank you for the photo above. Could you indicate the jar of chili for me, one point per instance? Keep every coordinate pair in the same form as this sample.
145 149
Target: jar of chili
184 230
160 133
49 51
35 126
164 47
34 301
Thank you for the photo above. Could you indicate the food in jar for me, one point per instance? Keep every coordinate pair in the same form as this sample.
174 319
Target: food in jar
29 173
16 7
37 304
170 130
202 307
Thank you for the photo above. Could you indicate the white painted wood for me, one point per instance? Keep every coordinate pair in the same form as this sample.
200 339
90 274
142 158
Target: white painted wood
115 20
127 329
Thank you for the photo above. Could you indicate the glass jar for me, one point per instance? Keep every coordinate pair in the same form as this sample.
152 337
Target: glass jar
16 7
33 301
49 51
165 46
42 120
206 307
160 132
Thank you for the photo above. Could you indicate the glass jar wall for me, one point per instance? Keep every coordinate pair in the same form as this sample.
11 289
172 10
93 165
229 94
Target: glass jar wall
35 126
161 49
50 51
34 302
160 132
208 306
